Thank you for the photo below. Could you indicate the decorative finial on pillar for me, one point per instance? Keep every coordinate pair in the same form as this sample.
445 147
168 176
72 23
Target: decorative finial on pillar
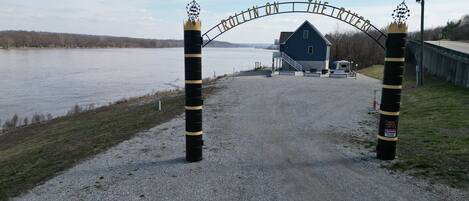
193 11
401 13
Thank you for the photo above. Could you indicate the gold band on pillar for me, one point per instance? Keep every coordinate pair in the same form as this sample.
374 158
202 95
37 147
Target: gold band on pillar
389 113
395 139
194 133
194 81
394 59
194 107
392 86
193 26
193 55
397 28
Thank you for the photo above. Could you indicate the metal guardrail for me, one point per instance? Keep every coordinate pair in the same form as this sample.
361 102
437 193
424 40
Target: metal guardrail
442 62
453 54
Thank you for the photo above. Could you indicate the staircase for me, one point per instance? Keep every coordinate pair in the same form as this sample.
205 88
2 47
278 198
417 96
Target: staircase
292 62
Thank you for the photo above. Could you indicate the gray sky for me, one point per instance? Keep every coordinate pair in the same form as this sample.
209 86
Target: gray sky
163 19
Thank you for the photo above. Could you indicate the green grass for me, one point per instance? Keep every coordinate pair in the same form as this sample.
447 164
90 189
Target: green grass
375 71
434 132
31 155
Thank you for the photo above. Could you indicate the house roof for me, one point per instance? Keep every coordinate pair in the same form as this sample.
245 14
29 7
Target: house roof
313 27
284 36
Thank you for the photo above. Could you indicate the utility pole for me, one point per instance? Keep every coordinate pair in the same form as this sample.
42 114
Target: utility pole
422 42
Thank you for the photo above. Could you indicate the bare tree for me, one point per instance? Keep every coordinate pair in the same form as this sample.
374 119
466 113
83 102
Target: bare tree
90 107
76 109
8 125
36 118
355 46
25 121
14 121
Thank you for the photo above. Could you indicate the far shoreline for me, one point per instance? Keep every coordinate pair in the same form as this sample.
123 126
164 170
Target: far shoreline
93 48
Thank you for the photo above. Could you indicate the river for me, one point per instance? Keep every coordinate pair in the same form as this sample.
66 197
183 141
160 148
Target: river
54 80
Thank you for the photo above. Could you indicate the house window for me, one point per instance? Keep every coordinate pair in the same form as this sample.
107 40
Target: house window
310 50
306 34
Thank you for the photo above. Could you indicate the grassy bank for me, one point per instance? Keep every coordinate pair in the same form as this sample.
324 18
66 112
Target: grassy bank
375 71
31 155
434 131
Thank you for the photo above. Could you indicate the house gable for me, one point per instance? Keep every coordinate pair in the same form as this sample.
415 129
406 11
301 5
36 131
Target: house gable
284 36
307 44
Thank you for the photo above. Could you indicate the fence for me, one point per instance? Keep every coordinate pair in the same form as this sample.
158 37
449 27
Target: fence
444 63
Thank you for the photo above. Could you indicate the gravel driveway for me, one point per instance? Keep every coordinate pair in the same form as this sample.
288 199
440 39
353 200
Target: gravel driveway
279 138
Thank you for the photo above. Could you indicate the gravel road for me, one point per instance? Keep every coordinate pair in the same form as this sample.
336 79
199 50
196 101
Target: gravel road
279 138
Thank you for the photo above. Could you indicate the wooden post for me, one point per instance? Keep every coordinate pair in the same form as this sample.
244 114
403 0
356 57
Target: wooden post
194 102
391 94
465 75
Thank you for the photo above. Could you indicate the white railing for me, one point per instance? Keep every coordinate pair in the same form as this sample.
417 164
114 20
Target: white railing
276 55
292 62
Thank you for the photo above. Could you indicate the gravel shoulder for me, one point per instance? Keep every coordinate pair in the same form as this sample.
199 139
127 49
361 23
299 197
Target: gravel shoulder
280 138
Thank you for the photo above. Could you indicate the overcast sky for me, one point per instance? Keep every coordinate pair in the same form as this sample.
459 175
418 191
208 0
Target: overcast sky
162 19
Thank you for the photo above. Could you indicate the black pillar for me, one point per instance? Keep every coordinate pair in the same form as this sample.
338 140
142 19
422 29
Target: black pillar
392 88
194 103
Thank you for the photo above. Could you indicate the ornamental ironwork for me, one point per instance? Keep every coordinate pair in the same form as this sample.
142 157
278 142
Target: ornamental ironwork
401 13
193 11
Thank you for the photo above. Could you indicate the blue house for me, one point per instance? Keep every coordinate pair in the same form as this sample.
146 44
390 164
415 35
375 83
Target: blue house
306 49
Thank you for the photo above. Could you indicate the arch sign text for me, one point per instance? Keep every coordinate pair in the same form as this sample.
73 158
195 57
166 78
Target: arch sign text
313 7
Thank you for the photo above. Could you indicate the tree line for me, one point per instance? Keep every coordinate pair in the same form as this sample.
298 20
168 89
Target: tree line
456 30
355 46
32 39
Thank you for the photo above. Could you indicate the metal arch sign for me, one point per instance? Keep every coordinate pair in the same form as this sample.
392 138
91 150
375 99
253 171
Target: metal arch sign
313 7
